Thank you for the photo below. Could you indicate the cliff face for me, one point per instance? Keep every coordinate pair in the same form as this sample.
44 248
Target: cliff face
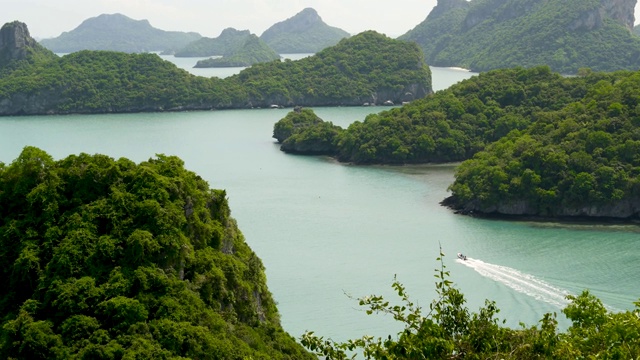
15 43
618 10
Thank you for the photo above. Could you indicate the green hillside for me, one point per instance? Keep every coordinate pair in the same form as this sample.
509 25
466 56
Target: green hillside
109 259
488 34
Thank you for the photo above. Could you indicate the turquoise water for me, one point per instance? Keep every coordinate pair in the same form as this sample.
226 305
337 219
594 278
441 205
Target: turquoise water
326 230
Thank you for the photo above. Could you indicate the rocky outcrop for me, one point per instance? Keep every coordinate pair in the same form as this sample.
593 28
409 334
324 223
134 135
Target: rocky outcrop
15 41
626 209
618 10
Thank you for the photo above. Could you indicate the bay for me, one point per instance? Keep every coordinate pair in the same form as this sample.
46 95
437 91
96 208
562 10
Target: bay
326 230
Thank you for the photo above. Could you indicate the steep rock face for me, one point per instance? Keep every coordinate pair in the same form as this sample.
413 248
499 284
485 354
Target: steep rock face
618 10
15 40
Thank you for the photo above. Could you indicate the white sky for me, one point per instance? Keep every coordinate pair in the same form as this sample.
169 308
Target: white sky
49 18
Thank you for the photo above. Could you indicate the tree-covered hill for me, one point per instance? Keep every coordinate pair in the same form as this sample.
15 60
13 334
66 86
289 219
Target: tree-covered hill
109 259
117 32
229 41
253 51
303 33
489 34
580 160
368 67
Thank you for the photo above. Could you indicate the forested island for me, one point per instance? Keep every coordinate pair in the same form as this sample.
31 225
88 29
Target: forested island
228 42
251 52
538 143
366 68
483 35
109 259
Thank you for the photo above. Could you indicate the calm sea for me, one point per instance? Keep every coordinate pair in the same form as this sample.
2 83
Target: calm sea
328 232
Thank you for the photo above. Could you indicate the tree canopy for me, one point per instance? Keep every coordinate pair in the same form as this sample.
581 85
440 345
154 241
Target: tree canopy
449 330
109 259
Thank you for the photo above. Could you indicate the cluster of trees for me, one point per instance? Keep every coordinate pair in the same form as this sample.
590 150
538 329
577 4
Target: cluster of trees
366 68
485 35
251 52
582 159
109 259
359 69
450 331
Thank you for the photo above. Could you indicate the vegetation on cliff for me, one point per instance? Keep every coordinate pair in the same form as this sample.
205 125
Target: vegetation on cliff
488 34
303 33
450 331
253 51
18 48
368 67
108 259
117 32
579 160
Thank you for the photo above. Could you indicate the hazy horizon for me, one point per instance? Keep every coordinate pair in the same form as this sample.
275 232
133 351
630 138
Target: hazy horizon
47 19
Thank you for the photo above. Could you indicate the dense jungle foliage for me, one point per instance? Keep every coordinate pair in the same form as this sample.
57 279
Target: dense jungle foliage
487 34
358 70
117 32
350 73
303 33
109 259
227 43
253 51
585 155
450 331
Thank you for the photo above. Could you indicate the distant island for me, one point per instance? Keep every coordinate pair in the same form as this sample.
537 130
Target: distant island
483 35
366 68
535 143
117 32
303 33
229 41
252 51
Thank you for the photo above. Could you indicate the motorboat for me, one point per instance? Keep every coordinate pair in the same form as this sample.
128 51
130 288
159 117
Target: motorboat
462 257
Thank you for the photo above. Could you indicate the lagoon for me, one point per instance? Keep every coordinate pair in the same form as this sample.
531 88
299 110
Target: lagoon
327 231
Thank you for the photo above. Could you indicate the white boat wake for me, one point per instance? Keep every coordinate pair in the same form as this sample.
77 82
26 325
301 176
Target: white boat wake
520 282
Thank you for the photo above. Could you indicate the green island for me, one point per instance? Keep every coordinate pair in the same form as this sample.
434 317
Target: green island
366 68
535 143
109 259
483 35
251 52
227 43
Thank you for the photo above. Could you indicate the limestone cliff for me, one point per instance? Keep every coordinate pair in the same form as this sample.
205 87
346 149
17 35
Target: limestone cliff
16 44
